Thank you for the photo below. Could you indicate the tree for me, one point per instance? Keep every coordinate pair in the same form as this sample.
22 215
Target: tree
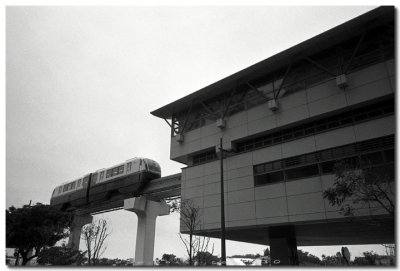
171 259
368 259
32 228
205 258
190 218
361 185
60 256
94 235
306 258
332 260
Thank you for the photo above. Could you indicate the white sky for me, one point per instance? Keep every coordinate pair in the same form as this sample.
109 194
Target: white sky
81 82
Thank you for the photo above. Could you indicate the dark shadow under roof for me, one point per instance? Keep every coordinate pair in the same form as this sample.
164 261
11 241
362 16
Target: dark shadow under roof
352 28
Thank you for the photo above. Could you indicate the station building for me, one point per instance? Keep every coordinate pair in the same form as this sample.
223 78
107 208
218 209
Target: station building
286 120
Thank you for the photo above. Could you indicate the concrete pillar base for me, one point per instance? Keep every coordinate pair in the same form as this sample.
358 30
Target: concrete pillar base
76 229
283 246
147 212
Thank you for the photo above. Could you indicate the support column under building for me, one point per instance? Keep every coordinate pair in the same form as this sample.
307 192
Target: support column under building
283 246
76 229
147 212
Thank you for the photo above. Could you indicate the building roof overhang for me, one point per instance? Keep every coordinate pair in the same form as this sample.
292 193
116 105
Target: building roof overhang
338 34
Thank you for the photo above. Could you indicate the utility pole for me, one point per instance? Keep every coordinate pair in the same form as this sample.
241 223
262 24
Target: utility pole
223 249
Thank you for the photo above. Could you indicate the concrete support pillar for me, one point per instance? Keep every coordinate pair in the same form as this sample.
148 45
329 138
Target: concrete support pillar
283 246
76 229
147 212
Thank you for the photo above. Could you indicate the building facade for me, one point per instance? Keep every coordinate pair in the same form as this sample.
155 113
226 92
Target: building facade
287 120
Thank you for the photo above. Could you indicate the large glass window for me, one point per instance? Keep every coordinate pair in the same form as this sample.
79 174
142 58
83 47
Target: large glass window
364 156
269 178
302 172
318 126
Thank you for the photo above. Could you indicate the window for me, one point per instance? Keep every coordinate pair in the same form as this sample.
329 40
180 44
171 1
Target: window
79 182
268 178
302 172
59 189
114 171
389 155
121 169
318 126
109 172
371 158
324 162
259 169
205 157
102 175
129 166
73 185
85 181
328 167
65 188
94 178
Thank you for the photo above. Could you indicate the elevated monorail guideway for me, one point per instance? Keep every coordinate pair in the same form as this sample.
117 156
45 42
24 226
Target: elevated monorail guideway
156 190
134 185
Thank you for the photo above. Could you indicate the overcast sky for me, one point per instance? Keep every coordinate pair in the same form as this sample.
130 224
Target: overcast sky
81 83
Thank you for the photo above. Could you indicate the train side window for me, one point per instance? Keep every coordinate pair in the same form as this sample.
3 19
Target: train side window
102 175
94 178
73 185
115 171
65 188
109 173
79 182
129 166
59 189
121 169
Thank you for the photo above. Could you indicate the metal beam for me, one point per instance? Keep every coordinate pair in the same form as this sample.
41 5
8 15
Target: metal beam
319 65
257 91
229 102
170 125
187 117
284 79
207 109
355 51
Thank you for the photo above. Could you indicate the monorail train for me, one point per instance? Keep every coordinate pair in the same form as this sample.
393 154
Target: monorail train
119 181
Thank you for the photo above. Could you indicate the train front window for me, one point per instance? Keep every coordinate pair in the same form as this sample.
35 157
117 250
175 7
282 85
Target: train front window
85 181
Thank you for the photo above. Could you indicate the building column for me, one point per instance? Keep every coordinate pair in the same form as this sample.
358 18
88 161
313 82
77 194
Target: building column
147 212
76 228
283 246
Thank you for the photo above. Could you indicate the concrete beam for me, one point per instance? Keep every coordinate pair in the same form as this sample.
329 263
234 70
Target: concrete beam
76 229
147 212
